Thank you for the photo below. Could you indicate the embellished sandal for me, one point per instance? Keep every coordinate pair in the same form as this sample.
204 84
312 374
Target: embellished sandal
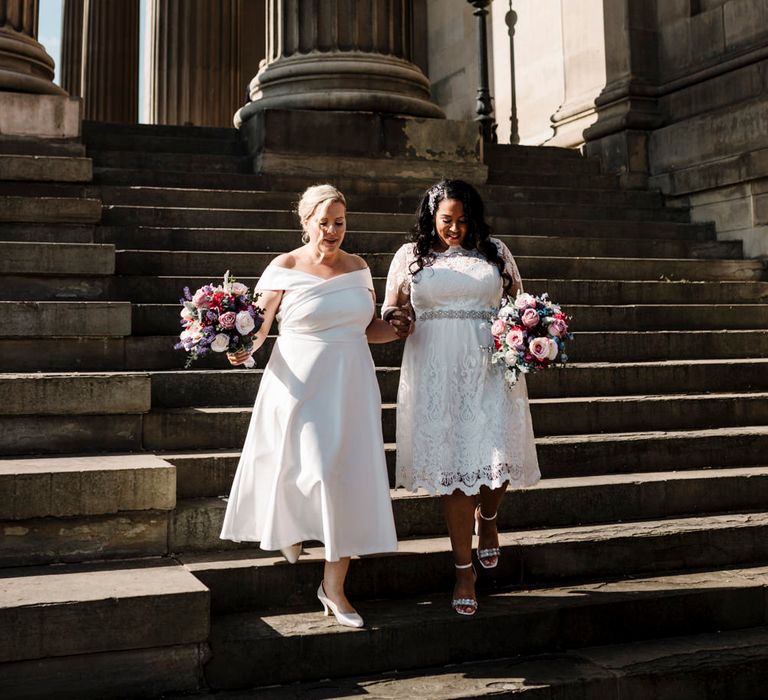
465 606
488 558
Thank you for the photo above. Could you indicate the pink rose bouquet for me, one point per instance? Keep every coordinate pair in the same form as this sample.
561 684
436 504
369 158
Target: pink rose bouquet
221 318
529 335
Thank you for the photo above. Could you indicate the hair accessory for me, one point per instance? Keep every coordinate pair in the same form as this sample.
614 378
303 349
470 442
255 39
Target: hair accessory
434 192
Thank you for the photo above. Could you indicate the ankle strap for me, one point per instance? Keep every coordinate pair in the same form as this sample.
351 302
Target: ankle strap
480 513
463 566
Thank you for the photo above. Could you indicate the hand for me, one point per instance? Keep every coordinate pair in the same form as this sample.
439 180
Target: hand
238 358
401 320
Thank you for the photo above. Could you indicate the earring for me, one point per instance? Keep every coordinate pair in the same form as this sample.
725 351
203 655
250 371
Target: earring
305 237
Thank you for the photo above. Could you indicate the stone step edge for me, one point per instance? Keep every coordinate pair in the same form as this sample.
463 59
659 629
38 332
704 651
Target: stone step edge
503 625
654 665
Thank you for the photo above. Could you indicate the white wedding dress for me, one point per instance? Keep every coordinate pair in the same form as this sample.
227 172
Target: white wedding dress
313 465
459 426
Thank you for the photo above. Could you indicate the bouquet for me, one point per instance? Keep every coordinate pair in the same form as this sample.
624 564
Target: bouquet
219 319
529 335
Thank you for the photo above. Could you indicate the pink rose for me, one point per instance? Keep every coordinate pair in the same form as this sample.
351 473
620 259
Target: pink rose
515 337
238 289
557 327
530 318
498 327
228 319
541 348
200 300
524 301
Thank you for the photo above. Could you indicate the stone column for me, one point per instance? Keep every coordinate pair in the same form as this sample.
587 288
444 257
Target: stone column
71 62
24 64
194 49
350 55
110 68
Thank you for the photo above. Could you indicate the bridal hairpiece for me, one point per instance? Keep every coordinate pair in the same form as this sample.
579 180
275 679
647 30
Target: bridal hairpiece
434 192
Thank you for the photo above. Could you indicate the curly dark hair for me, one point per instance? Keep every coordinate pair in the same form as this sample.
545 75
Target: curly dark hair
424 234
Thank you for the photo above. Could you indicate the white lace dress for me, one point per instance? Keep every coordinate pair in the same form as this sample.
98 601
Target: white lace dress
458 424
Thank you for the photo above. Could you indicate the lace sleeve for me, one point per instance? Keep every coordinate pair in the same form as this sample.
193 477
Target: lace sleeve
398 289
510 267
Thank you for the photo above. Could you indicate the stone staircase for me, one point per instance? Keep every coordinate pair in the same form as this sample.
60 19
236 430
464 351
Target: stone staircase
636 568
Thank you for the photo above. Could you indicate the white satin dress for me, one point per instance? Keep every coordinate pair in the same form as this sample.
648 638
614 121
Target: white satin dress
313 464
459 426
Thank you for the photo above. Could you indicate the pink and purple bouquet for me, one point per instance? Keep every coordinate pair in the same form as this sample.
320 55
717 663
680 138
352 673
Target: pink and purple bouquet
221 318
529 335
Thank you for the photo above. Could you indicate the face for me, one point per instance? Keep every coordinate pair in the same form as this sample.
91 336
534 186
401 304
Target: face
326 227
450 223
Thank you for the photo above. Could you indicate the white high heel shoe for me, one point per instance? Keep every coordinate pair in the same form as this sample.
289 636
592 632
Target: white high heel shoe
291 553
346 619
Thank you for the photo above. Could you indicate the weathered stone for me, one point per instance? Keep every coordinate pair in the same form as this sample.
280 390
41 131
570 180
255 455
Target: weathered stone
42 168
74 393
67 486
56 258
81 610
66 318
137 673
39 116
48 209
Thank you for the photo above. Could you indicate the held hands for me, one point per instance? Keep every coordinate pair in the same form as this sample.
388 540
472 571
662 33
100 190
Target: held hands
238 358
402 321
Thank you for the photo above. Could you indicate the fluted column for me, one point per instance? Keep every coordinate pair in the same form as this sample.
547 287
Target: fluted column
194 48
24 64
110 69
353 55
70 65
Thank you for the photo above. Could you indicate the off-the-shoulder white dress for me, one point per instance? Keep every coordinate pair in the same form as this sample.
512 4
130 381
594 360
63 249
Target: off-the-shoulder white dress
313 465
458 424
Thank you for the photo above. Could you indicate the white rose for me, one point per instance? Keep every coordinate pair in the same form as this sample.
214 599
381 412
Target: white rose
244 323
238 288
553 349
220 343
187 314
510 357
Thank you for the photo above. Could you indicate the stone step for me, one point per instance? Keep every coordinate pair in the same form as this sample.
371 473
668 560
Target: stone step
131 215
220 427
496 198
47 319
31 146
82 508
143 353
65 611
233 387
130 219
170 161
166 144
692 667
560 457
421 631
621 453
94 130
65 210
243 264
46 233
281 240
168 289
155 319
298 183
74 393
45 168
82 259
579 501
254 580
55 288
537 153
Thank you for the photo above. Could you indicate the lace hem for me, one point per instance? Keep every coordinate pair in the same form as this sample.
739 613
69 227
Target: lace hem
492 476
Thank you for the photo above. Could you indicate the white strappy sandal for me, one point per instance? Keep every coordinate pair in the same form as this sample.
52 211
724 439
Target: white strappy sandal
491 554
471 603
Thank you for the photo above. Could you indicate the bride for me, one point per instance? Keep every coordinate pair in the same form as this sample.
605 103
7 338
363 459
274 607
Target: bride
313 465
462 433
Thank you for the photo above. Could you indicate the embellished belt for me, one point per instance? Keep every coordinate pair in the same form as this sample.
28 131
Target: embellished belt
484 314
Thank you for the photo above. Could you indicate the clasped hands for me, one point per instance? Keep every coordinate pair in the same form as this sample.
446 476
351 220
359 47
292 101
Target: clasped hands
401 319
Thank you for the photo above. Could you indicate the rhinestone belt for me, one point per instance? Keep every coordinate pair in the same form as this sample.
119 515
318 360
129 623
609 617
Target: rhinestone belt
484 314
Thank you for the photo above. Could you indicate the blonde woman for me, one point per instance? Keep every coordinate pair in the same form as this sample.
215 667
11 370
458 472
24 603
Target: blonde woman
313 465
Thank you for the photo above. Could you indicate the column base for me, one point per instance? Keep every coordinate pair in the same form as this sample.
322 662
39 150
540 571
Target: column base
40 116
330 144
624 153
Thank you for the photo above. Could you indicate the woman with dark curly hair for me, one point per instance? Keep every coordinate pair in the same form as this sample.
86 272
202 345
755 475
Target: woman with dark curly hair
462 433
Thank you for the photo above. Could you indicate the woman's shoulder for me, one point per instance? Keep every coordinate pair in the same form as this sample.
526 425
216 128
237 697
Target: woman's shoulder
285 260
355 262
